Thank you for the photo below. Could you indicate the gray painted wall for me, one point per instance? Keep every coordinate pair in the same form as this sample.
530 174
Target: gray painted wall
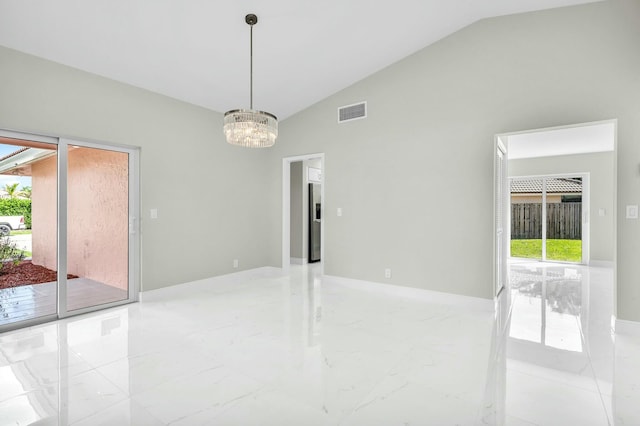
206 191
297 202
415 179
600 166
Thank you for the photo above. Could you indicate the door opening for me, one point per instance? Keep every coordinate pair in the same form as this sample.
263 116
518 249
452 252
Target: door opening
584 152
302 210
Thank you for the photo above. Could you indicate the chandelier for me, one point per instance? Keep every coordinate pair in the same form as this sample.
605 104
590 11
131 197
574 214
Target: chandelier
247 127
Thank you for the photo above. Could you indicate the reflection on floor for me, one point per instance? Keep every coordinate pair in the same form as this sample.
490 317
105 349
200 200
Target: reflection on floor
260 348
560 345
33 301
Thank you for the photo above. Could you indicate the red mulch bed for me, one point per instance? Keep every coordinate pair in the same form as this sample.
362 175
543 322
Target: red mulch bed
26 273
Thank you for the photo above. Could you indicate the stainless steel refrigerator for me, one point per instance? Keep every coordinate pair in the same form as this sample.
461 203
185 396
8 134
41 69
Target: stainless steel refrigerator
315 222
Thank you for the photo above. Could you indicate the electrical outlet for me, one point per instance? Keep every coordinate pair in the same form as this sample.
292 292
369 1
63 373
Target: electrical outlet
387 273
235 263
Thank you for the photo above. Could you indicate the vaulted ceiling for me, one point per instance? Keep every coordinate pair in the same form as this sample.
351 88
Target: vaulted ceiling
198 50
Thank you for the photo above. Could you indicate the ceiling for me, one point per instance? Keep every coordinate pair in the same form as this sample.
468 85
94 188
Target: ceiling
582 139
198 50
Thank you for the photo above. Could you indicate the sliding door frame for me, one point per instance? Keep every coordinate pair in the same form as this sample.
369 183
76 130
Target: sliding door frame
63 225
585 219
63 145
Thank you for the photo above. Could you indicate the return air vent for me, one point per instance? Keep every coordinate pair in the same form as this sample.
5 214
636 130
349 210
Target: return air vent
352 112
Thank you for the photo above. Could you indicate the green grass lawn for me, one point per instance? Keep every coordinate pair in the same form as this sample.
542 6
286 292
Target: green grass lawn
564 250
21 232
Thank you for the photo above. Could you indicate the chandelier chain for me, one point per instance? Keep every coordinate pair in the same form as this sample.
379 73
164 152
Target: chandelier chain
251 67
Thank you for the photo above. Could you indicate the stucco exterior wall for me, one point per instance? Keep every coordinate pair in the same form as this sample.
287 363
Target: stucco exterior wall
44 212
97 215
98 218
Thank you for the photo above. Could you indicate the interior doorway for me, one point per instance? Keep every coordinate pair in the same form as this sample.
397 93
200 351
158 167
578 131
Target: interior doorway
303 198
81 228
584 151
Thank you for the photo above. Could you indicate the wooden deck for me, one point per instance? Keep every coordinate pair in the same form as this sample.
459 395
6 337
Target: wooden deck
33 301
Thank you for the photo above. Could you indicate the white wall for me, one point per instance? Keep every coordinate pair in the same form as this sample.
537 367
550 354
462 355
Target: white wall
600 166
207 192
414 179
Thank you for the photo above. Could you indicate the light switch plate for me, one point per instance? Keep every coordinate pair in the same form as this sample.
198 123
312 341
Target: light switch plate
339 211
632 211
154 213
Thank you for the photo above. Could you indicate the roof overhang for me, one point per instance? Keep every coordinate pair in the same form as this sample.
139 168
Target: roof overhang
20 162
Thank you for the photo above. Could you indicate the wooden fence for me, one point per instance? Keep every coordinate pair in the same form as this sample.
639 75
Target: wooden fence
564 221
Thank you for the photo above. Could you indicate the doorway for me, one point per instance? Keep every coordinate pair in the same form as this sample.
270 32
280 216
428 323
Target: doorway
586 151
303 198
82 229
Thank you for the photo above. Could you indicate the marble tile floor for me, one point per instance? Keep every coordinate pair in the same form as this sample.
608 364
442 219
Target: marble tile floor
258 348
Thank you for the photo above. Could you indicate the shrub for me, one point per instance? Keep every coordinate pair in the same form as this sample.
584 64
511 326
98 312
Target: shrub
9 253
16 207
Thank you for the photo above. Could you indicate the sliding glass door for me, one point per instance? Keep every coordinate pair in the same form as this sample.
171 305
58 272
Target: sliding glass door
526 218
548 218
79 243
28 231
563 237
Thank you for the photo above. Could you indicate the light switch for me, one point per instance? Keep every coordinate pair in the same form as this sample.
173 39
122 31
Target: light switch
154 213
602 212
632 211
339 211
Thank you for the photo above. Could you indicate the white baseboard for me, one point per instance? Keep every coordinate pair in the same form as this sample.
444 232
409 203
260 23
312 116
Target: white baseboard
487 305
629 328
602 263
240 276
298 261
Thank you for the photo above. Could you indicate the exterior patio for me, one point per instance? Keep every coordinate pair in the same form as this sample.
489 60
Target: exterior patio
37 300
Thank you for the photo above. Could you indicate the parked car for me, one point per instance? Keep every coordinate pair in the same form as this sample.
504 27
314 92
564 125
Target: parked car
11 223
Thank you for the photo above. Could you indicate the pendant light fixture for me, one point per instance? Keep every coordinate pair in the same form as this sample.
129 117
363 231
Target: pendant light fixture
247 127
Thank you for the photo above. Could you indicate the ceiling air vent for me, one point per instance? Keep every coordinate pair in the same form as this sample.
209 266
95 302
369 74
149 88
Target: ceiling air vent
352 112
